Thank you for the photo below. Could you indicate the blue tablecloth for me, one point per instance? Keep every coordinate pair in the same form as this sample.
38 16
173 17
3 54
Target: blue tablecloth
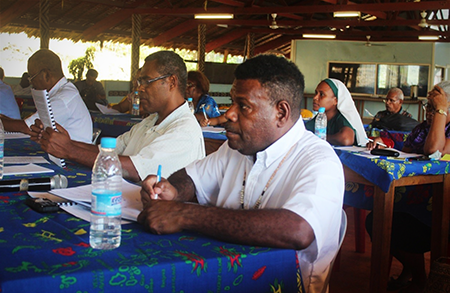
415 200
113 125
51 252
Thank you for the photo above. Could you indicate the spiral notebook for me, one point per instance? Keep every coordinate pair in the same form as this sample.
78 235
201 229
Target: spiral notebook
44 108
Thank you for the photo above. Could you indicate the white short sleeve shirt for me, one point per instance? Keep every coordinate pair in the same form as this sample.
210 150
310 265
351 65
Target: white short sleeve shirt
174 143
69 110
310 183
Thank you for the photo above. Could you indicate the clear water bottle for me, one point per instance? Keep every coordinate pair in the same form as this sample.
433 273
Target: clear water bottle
2 143
135 105
191 105
106 208
321 124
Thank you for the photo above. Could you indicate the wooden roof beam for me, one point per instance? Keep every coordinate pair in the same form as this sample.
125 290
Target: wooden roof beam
402 6
231 36
16 10
107 23
273 44
174 32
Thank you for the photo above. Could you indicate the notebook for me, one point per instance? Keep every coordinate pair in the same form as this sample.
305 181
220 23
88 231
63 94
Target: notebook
44 109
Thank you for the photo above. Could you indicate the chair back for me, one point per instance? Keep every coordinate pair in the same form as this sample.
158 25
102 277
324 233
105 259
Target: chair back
342 232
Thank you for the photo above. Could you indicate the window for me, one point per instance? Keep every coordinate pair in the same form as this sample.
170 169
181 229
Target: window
377 79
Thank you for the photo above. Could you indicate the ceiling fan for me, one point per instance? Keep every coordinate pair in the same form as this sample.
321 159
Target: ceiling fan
274 24
369 44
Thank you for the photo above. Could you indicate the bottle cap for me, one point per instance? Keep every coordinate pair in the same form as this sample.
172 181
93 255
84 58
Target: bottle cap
322 110
189 99
136 93
108 142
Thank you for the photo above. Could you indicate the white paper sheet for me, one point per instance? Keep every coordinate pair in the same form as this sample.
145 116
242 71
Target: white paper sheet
363 151
24 160
213 129
25 169
131 198
15 135
105 110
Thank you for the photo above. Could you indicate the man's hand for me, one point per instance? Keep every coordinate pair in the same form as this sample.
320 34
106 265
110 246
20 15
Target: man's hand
57 143
204 122
162 217
153 190
36 130
437 98
373 144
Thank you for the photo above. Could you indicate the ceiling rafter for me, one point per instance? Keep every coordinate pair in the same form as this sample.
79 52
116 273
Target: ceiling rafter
174 32
15 11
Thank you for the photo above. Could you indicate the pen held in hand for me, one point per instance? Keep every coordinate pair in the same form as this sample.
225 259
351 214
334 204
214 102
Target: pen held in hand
158 178
379 143
204 113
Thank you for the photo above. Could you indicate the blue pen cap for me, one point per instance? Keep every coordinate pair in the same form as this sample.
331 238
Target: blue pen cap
189 99
108 142
322 110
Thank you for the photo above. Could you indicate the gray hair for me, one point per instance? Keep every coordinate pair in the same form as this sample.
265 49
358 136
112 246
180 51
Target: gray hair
398 92
445 85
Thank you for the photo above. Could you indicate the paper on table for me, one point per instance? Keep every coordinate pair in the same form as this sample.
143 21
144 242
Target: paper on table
105 110
213 129
24 160
131 198
362 151
15 135
25 169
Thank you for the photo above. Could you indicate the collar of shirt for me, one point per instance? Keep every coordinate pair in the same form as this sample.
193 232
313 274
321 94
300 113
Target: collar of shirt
280 147
171 118
57 86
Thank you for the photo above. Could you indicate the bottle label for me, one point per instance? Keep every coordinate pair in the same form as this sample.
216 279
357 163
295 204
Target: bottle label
321 132
106 203
1 150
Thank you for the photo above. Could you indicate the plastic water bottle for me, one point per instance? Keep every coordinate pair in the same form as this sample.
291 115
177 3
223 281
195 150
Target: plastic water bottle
321 124
135 105
2 143
106 208
191 105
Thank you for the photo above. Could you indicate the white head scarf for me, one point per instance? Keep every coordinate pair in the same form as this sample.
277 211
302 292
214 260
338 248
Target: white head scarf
347 108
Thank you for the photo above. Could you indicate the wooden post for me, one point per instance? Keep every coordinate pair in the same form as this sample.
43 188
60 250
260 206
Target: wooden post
44 25
250 45
135 43
201 47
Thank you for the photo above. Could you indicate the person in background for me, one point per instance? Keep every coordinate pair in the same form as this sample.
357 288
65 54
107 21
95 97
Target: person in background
170 136
91 90
124 106
344 125
24 87
197 89
8 104
410 237
47 78
394 117
271 184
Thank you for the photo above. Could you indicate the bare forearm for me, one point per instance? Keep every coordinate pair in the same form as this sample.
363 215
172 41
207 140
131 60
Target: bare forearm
15 125
274 228
343 137
436 139
128 169
184 185
83 153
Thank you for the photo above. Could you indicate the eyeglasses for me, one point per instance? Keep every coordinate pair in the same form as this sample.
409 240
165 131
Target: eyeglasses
392 101
428 108
31 78
145 82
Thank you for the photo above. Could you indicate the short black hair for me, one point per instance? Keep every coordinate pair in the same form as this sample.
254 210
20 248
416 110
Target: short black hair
280 77
92 72
169 62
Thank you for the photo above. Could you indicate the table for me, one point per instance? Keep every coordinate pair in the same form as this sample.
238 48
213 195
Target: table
50 252
384 176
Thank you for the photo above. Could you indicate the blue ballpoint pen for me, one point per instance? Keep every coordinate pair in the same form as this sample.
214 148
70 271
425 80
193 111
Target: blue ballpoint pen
158 177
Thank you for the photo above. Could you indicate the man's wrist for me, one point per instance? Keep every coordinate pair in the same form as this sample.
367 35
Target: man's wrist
442 112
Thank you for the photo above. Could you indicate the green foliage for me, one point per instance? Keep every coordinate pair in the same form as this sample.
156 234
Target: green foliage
77 66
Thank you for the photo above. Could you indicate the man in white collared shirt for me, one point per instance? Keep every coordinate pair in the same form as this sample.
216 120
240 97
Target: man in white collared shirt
44 67
170 136
273 184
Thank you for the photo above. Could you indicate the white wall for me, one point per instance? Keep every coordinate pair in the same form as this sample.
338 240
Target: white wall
312 57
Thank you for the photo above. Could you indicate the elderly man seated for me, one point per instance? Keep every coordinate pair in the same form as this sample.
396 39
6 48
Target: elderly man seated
170 136
394 117
272 184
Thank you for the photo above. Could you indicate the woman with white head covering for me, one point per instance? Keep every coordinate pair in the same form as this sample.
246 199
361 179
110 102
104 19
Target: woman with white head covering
344 123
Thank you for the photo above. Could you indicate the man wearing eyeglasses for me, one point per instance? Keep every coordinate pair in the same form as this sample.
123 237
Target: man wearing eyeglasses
170 136
394 117
47 79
